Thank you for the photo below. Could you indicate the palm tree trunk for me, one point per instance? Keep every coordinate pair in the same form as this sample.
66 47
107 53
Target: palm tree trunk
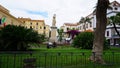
99 31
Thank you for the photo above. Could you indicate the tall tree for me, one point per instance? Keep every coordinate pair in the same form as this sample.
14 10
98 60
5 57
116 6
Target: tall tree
84 21
60 34
101 21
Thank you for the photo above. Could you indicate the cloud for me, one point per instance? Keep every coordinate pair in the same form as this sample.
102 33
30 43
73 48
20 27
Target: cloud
42 13
69 11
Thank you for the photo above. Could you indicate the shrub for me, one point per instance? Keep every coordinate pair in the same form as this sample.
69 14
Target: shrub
85 41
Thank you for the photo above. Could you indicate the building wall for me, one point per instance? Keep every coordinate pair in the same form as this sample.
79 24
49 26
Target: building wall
110 31
37 25
69 26
47 30
110 12
10 20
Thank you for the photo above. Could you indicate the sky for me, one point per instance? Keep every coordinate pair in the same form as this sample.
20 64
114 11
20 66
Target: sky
67 11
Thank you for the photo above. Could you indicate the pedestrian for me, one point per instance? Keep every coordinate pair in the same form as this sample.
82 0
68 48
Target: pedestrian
48 45
54 44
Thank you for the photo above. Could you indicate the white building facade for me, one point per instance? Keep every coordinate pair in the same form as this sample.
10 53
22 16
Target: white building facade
70 26
110 33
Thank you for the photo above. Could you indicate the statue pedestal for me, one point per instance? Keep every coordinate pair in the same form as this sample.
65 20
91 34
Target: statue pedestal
53 37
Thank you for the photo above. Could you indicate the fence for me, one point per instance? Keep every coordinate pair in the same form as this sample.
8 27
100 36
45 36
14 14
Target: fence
56 60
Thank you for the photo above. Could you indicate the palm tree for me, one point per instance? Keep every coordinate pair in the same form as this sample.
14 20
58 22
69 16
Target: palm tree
83 21
99 34
17 38
115 20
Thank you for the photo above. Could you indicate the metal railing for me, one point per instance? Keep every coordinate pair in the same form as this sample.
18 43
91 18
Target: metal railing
56 60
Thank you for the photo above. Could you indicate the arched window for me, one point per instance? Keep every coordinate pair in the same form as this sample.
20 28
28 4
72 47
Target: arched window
44 27
36 23
67 28
31 27
116 8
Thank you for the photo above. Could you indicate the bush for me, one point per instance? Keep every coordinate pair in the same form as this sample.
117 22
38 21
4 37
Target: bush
85 41
17 38
106 44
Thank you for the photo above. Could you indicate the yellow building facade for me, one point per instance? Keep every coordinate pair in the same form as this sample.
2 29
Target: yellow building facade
37 25
47 30
8 18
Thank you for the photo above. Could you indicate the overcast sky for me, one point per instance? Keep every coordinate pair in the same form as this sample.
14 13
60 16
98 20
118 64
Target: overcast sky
67 11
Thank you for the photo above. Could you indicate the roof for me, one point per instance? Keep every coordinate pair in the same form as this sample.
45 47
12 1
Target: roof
71 24
29 19
4 9
89 15
89 30
115 3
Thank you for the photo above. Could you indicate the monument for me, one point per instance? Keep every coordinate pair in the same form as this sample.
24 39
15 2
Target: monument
53 37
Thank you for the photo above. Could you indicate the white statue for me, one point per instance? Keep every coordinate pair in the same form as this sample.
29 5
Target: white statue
54 20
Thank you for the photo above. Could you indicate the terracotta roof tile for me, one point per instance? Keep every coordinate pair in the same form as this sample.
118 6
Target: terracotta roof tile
28 19
71 24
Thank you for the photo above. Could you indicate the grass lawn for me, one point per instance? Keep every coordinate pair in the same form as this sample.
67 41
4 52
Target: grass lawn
60 57
63 48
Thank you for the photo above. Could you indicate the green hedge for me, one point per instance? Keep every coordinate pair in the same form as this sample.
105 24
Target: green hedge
85 41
